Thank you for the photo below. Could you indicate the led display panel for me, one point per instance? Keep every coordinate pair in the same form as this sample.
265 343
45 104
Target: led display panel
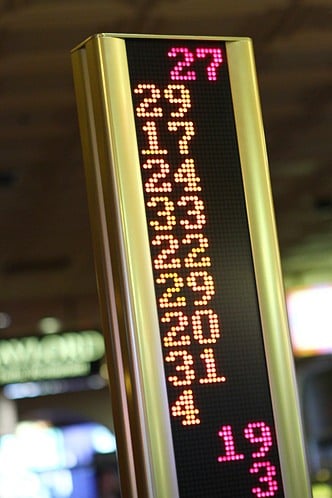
177 194
215 370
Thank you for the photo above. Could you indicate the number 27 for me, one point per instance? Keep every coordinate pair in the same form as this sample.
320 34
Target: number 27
186 58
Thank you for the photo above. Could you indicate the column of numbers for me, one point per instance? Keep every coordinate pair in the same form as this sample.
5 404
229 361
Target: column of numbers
259 435
181 260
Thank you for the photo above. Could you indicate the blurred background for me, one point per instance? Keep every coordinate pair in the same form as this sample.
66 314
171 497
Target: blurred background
47 280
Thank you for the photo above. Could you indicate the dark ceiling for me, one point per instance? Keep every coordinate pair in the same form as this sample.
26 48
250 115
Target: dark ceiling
46 262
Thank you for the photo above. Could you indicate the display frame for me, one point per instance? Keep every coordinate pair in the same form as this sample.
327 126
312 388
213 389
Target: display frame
124 274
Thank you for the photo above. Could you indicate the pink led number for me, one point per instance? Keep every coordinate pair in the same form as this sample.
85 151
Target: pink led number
270 485
259 432
256 433
230 454
216 60
186 59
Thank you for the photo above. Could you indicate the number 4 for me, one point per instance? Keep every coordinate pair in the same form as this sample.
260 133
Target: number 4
184 407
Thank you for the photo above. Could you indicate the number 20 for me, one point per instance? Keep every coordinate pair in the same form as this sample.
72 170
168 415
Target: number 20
186 58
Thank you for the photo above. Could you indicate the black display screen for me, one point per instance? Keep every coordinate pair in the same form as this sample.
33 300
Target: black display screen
210 331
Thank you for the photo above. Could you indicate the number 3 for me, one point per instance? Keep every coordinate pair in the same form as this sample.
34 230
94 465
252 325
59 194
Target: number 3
266 478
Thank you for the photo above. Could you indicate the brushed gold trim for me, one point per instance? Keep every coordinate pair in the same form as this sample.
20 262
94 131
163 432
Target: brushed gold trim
104 272
155 37
267 267
126 225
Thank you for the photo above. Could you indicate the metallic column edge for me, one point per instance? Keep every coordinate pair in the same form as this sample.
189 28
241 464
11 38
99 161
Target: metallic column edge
268 274
103 266
146 390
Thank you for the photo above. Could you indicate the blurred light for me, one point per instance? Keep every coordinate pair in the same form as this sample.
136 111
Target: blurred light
49 325
95 382
5 320
321 491
20 391
103 440
51 387
310 320
103 371
8 415
323 475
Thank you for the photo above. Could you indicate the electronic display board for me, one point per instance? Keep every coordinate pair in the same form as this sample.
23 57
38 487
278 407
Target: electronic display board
215 369
176 155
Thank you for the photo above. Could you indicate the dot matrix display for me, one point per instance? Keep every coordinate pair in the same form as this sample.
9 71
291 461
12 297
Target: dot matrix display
210 332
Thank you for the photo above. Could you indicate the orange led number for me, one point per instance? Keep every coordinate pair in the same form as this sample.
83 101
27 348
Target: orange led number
185 287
